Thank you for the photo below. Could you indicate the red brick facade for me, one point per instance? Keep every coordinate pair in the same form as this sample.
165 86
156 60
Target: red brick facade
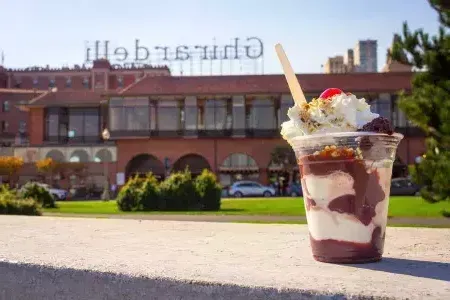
157 85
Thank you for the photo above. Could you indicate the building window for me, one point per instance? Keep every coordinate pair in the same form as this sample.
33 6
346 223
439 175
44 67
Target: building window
131 114
35 82
285 103
217 115
5 106
120 81
86 82
81 125
170 115
51 83
239 116
382 106
5 126
68 82
22 126
261 115
399 119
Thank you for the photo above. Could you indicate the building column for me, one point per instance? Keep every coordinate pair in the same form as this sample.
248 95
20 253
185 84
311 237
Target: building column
190 117
37 118
239 118
263 176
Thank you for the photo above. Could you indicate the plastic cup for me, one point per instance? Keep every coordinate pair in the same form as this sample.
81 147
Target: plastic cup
346 180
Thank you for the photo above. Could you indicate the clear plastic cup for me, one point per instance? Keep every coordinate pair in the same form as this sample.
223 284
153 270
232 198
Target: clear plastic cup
346 180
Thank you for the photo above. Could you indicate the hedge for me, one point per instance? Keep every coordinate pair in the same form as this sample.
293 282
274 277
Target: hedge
179 192
12 204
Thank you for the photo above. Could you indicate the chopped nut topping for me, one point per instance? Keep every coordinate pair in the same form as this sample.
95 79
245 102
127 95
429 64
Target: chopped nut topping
336 152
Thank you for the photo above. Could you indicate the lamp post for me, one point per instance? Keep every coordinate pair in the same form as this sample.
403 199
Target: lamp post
105 195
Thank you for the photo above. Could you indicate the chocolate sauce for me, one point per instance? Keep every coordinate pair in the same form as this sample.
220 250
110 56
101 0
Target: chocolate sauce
368 193
334 251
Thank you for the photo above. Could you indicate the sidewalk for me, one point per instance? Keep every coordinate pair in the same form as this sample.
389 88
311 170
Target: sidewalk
79 258
443 222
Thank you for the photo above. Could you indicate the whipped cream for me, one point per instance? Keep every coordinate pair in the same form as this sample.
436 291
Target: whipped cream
340 113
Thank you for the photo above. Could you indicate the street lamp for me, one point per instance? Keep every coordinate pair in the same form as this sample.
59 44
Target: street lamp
105 195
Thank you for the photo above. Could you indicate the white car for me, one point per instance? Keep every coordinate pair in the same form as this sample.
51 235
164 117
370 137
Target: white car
59 194
250 188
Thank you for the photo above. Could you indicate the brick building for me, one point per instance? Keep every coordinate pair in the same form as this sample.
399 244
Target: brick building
161 123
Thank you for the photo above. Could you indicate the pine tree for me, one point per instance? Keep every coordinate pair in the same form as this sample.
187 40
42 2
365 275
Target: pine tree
428 104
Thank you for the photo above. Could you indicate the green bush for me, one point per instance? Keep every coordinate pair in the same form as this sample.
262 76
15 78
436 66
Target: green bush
34 191
11 204
129 196
209 190
178 192
149 194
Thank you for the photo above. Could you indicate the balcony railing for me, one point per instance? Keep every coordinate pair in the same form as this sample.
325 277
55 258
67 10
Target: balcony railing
73 140
253 133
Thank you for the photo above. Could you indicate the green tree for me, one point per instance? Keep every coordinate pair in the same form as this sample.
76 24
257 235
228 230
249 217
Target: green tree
284 156
428 104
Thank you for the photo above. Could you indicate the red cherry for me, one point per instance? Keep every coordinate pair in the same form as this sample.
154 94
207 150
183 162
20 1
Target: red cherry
328 93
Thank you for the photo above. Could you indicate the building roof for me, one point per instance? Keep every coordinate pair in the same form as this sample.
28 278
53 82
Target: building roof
21 91
260 84
67 98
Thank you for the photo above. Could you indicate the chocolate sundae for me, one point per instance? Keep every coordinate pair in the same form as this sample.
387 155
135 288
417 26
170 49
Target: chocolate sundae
345 154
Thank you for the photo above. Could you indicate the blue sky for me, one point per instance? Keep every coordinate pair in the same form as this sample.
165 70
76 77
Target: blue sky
54 32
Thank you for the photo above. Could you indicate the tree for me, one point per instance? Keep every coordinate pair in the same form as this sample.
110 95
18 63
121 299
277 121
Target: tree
428 104
284 156
46 166
10 165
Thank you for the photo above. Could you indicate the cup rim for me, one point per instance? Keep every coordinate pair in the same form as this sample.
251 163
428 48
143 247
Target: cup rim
355 134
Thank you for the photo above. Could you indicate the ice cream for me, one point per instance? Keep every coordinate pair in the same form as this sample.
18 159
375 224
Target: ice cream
339 112
345 174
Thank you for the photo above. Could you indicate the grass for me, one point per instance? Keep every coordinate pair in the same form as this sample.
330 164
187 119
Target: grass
398 207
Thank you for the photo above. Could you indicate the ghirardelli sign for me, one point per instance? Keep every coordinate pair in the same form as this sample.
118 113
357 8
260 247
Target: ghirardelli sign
248 48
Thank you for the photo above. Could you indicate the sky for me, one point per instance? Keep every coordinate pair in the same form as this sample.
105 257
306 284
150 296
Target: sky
56 33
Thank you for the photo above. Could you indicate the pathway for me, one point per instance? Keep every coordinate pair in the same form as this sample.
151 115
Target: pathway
443 222
72 258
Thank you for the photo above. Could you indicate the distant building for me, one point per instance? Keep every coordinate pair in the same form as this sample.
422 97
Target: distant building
349 60
335 65
163 123
365 56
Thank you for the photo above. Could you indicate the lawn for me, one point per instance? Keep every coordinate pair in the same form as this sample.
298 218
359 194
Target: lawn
398 207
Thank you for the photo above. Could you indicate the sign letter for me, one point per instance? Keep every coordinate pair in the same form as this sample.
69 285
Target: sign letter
254 55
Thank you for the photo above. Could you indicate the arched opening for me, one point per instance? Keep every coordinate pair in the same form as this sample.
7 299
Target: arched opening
79 156
56 155
144 163
103 155
238 166
194 162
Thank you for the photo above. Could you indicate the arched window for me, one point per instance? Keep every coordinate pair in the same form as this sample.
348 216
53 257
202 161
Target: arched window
238 166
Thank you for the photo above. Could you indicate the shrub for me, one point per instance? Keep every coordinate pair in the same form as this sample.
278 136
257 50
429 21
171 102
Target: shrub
209 190
129 196
149 194
178 192
34 191
10 204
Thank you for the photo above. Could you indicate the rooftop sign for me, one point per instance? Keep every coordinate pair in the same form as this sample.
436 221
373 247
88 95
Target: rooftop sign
239 49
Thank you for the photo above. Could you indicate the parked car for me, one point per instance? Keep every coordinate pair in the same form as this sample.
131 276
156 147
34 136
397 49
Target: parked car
294 190
250 188
60 194
404 187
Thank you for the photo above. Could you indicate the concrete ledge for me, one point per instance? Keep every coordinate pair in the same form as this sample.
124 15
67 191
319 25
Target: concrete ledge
47 258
